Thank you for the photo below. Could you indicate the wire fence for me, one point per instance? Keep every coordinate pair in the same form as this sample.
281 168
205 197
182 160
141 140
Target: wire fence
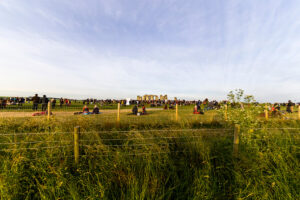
135 145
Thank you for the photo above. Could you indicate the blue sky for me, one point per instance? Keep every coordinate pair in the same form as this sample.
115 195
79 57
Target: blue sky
123 48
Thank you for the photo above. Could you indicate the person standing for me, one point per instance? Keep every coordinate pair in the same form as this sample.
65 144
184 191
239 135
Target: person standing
61 102
289 107
35 101
198 105
53 102
44 103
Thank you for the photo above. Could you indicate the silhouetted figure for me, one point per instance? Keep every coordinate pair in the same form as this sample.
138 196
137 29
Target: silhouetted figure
61 102
44 103
289 106
96 110
135 110
53 103
36 101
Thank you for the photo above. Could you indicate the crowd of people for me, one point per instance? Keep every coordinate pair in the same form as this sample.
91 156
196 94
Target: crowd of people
36 101
86 111
5 102
19 101
200 107
276 108
151 103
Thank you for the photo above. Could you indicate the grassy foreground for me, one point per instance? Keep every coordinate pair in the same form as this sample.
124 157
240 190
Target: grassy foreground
149 159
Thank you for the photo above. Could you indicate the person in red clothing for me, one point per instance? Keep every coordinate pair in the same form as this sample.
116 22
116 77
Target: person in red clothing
144 110
85 110
276 110
196 110
273 108
42 113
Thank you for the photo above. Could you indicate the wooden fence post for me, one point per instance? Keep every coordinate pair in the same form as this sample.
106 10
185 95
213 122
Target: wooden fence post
118 113
266 112
236 139
76 143
176 111
49 109
225 114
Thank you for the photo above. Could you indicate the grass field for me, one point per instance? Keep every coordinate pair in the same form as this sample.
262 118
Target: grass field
75 106
150 157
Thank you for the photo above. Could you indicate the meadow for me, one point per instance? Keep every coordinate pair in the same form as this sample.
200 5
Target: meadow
151 157
74 106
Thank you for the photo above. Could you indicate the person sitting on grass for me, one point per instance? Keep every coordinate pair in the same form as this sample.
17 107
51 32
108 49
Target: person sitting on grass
198 111
135 110
86 110
96 110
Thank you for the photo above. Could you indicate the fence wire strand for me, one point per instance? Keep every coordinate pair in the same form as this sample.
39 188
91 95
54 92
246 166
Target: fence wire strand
140 144
35 142
36 148
116 131
49 133
132 139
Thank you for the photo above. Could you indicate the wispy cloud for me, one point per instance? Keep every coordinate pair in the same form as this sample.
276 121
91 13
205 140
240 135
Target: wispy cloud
113 49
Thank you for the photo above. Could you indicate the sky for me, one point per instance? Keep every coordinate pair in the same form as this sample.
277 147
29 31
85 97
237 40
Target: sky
123 48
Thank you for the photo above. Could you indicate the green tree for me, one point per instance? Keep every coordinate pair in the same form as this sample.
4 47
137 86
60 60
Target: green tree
249 99
231 97
235 96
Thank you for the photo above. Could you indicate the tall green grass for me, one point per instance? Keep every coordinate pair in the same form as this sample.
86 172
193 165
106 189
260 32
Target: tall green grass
153 158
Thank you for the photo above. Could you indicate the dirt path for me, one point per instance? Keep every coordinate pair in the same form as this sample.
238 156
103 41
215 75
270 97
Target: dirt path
66 113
